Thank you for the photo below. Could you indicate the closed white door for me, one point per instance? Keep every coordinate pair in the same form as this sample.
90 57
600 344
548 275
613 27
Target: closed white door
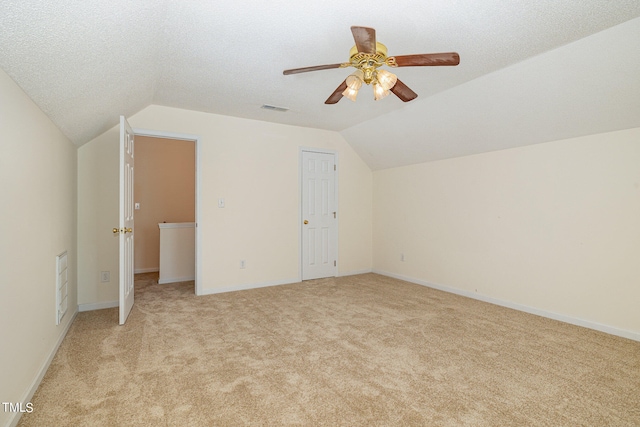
319 215
125 229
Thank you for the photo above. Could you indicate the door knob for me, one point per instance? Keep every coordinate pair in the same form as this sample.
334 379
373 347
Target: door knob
123 231
306 222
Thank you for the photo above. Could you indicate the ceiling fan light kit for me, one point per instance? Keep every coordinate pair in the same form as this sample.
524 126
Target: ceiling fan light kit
379 92
386 79
354 83
367 56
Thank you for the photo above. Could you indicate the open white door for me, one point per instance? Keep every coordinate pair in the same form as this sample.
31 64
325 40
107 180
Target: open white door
319 225
125 229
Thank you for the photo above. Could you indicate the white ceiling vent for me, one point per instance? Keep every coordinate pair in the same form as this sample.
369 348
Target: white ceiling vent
274 108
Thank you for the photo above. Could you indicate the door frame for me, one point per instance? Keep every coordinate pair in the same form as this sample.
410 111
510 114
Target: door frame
300 189
197 141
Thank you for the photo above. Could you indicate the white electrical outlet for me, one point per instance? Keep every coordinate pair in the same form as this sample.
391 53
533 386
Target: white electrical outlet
105 276
221 203
242 264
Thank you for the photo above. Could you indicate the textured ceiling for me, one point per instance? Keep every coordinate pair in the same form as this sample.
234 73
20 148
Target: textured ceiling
85 63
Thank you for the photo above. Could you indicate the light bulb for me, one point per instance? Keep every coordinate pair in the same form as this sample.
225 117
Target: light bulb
386 79
350 93
354 81
379 92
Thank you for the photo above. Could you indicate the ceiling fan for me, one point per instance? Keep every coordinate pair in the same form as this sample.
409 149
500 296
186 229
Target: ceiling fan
367 56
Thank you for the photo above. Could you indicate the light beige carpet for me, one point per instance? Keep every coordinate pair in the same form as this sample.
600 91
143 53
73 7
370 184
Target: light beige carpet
364 350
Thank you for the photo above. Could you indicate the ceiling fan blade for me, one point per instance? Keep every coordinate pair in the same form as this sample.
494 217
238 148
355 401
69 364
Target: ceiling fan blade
306 69
365 38
337 94
403 92
428 59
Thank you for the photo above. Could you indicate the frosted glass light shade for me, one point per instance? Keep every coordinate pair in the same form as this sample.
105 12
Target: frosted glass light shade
354 82
379 92
386 79
350 93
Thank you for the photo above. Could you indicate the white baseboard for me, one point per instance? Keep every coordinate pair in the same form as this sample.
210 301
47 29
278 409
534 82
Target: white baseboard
145 270
13 420
248 286
538 312
176 279
267 284
354 273
98 305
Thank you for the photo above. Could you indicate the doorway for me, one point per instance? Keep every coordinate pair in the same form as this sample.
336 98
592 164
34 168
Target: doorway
166 201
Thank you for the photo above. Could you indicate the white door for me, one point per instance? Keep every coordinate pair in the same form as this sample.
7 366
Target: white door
126 219
319 222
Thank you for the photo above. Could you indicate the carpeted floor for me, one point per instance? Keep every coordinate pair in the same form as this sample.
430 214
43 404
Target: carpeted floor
362 350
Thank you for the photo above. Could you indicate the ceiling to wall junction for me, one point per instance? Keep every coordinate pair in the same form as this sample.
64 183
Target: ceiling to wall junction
529 71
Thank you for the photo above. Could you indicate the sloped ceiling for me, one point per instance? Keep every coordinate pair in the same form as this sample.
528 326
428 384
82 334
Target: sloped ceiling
529 71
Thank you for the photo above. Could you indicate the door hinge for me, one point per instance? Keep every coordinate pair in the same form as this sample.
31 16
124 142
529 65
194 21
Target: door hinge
334 167
334 263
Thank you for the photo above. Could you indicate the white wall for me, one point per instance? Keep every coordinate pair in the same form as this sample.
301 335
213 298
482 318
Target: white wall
554 227
37 222
583 88
253 165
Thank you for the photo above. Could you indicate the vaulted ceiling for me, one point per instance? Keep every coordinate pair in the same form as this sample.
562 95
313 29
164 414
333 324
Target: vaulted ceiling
530 71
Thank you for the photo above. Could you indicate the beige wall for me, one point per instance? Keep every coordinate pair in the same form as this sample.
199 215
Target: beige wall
97 216
165 187
37 222
253 165
554 226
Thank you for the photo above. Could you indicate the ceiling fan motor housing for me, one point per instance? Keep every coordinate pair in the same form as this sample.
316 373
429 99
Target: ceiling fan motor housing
368 62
